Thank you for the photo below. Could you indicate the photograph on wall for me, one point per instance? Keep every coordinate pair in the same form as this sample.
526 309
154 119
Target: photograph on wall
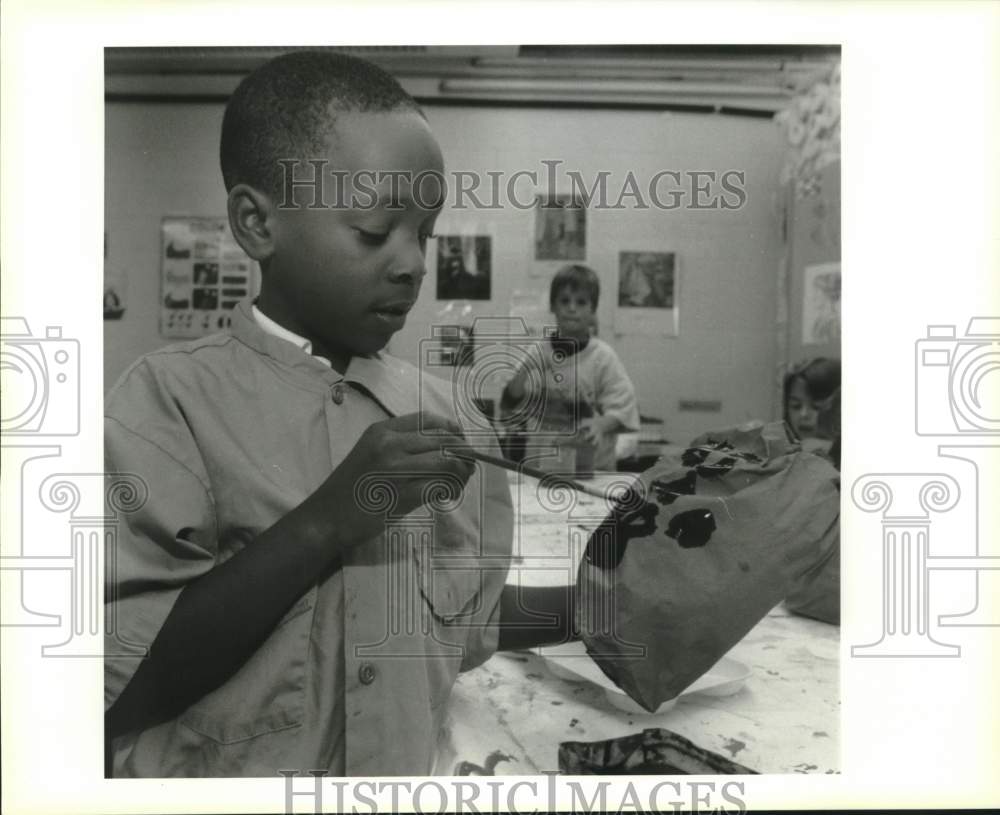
560 228
821 304
204 274
464 267
647 293
646 280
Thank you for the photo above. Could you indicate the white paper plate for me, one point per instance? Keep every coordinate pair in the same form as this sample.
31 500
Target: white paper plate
572 663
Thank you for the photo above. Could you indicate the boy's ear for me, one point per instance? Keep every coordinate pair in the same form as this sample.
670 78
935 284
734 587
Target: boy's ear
251 217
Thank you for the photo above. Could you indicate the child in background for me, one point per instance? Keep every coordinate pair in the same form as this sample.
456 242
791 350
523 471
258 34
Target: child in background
581 375
812 406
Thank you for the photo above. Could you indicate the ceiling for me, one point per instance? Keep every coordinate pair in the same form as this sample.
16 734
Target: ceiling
741 79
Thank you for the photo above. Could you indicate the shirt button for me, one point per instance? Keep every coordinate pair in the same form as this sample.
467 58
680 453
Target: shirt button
366 673
337 394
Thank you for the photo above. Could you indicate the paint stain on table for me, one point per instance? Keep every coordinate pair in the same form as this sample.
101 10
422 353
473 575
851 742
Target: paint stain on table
734 746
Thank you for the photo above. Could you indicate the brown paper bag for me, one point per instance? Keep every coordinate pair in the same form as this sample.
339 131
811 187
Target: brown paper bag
817 593
710 540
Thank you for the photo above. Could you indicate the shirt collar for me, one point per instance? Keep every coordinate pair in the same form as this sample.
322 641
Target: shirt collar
269 326
392 382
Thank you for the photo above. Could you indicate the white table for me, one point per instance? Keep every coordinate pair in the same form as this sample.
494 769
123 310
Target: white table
785 719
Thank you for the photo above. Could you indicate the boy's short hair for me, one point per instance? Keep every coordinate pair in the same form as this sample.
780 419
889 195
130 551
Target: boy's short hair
286 109
576 277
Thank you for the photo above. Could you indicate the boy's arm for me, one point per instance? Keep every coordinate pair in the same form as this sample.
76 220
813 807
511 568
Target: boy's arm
219 619
516 389
616 400
536 615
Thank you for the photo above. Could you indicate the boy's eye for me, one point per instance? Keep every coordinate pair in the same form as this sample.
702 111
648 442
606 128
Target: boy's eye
373 238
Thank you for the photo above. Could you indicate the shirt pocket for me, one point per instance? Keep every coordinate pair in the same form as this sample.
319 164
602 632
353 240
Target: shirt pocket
267 693
451 586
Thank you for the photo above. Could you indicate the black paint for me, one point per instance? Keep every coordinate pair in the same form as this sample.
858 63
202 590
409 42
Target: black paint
606 546
667 492
693 528
716 468
693 456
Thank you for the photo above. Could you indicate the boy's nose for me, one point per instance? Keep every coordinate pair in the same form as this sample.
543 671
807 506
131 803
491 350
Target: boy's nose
409 268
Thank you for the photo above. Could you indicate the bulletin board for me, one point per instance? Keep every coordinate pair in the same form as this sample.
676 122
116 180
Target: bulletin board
203 275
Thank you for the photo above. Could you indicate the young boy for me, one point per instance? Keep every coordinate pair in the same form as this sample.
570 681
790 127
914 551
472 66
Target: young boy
578 370
311 568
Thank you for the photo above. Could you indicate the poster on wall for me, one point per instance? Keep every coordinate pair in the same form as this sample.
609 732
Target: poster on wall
204 274
821 304
647 294
560 228
464 267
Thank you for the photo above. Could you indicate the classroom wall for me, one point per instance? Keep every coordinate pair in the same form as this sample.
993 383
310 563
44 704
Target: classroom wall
162 160
814 237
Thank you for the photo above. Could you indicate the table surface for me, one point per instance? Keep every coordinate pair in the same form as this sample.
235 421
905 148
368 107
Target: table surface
509 715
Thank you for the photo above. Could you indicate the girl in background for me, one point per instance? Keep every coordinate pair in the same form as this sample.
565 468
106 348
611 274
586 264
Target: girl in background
812 406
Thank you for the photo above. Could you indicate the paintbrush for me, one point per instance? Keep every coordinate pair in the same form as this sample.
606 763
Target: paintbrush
515 467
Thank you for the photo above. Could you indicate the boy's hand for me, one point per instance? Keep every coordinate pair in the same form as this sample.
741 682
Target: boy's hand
594 429
405 457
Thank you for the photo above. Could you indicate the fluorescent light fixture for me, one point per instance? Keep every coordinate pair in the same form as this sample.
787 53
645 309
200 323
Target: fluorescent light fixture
570 87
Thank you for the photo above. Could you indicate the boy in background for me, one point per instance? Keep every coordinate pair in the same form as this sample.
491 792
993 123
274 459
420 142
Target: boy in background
582 376
311 569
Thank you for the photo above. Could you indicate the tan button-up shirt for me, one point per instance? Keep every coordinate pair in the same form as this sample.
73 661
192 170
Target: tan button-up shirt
230 433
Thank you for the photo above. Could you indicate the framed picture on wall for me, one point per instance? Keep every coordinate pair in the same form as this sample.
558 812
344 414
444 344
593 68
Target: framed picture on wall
560 228
647 293
821 304
464 267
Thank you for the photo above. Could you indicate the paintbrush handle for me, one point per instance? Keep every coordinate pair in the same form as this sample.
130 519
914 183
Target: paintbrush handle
515 467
